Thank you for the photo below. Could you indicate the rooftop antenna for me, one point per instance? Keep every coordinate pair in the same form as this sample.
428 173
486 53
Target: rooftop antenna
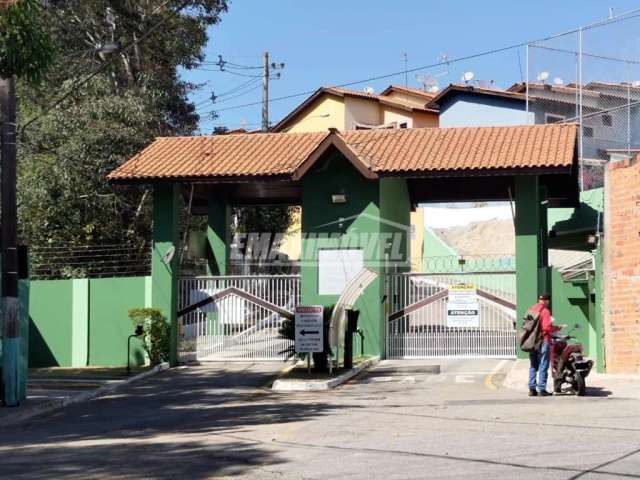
429 82
406 63
543 76
467 77
368 90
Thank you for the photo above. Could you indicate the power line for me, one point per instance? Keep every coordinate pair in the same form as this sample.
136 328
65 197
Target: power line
72 90
624 16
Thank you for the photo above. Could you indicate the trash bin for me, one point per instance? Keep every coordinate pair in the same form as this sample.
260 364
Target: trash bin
352 327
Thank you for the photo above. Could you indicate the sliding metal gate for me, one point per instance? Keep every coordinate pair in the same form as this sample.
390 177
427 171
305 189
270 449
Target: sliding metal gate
235 317
417 325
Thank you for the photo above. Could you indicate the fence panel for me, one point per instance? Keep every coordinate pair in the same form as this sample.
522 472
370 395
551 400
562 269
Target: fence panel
417 325
237 317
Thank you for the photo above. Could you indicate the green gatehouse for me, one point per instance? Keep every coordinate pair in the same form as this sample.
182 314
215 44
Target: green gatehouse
356 190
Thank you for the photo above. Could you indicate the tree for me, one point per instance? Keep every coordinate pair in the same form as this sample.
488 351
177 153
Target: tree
114 89
26 50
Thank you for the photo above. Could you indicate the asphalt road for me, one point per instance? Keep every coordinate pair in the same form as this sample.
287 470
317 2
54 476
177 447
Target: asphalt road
395 422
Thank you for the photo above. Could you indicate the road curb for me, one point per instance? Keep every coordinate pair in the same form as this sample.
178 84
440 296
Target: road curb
517 376
53 405
287 385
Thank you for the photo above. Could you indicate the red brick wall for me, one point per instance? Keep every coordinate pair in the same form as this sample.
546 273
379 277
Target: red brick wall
621 267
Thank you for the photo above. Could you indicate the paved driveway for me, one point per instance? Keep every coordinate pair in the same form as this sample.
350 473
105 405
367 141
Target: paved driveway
395 422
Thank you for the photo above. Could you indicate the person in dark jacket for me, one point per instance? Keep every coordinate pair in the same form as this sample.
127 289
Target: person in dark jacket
539 360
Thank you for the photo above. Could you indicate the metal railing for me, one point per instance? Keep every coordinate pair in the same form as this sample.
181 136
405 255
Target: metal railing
417 324
239 317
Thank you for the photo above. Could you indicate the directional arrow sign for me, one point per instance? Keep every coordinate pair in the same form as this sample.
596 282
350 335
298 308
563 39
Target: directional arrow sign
309 332
308 323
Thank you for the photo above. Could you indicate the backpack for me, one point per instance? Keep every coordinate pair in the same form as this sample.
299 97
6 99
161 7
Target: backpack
529 334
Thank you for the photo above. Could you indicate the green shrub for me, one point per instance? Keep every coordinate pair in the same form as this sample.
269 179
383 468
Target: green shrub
156 332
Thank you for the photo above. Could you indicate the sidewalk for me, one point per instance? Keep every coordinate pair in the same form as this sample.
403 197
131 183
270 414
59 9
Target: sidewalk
598 384
53 388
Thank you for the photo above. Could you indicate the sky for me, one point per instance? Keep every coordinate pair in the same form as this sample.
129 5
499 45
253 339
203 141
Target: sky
334 42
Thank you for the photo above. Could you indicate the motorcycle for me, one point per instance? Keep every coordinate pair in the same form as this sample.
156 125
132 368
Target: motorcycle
568 366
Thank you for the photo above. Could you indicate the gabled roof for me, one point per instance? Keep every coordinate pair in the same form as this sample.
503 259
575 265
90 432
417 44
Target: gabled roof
412 91
345 92
418 151
456 88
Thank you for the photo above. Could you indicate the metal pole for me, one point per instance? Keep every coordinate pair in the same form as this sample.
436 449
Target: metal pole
9 240
265 92
526 86
580 133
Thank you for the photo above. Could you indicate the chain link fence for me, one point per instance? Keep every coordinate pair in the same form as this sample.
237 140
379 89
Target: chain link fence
590 76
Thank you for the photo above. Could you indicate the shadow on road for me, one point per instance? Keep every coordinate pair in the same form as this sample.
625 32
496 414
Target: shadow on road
182 422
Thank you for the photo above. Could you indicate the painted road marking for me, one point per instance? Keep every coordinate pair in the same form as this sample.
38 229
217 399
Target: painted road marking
408 380
464 379
488 380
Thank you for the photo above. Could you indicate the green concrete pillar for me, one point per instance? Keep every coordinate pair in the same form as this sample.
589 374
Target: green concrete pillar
80 322
597 311
528 245
23 361
218 235
164 274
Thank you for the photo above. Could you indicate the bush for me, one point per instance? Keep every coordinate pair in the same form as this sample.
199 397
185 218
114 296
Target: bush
156 332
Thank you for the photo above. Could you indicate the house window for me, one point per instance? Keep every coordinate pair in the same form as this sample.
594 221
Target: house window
607 120
403 125
587 132
550 118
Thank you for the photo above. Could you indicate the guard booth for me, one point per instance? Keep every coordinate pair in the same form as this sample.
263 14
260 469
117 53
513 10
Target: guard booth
356 190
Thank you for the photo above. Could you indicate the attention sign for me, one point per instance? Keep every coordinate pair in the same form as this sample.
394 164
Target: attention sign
462 307
308 328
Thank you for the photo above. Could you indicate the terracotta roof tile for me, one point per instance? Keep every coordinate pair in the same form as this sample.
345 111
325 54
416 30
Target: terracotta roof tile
414 91
420 150
439 149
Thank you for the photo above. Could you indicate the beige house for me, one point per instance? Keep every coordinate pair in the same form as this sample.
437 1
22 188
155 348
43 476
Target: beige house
344 109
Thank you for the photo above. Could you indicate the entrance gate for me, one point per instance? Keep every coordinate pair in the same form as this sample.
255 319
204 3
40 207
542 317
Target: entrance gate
235 317
417 321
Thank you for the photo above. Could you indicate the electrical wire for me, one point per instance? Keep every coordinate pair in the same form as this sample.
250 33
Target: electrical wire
625 16
73 89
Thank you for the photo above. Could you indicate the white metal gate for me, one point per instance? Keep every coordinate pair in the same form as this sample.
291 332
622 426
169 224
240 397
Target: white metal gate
235 317
417 324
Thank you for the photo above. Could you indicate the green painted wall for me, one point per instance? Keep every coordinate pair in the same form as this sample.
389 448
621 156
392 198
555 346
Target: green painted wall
50 329
218 235
570 306
354 224
109 325
75 323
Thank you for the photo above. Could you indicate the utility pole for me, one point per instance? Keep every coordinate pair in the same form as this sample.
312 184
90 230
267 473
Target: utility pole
265 92
266 76
9 240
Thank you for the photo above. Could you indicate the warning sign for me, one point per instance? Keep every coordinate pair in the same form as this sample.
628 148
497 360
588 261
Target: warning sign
462 307
308 328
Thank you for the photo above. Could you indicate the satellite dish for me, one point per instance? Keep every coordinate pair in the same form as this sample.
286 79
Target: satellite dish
558 81
543 76
368 90
429 83
467 76
168 255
